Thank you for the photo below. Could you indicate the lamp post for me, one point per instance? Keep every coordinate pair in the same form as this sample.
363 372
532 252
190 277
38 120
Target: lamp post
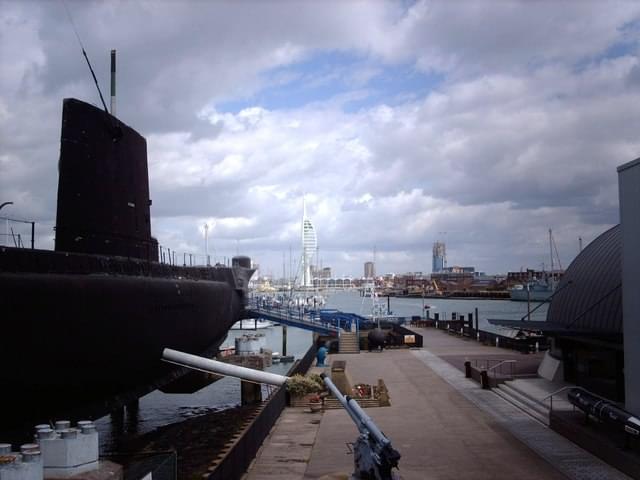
6 230
206 244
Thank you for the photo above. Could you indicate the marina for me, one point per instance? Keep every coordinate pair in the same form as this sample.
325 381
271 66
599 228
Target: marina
301 245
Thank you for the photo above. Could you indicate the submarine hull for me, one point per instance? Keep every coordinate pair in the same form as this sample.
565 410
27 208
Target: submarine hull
84 325
73 340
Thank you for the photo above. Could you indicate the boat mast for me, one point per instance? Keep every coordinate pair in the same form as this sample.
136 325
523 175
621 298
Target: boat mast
551 249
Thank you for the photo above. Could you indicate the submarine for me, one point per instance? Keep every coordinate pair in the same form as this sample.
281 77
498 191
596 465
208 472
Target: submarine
84 325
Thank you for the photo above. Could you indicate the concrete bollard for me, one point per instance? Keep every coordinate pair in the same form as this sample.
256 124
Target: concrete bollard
497 341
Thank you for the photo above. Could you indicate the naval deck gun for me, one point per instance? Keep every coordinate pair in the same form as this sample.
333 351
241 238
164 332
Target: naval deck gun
374 456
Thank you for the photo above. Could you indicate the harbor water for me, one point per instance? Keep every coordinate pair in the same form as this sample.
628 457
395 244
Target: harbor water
351 301
159 409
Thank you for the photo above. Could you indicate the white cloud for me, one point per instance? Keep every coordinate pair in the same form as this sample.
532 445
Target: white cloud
523 132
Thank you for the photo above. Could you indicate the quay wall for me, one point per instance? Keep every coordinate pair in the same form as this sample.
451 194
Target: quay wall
234 461
461 328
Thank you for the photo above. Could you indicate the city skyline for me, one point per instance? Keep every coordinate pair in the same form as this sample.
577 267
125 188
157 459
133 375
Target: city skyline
478 124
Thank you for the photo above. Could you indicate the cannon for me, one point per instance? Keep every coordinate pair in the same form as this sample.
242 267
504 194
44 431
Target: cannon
374 456
605 411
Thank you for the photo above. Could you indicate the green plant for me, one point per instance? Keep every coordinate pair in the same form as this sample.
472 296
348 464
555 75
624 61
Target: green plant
318 379
299 385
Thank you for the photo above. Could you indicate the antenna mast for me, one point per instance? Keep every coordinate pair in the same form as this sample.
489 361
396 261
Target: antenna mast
95 80
113 83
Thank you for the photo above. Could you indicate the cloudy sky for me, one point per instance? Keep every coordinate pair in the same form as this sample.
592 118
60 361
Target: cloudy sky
481 124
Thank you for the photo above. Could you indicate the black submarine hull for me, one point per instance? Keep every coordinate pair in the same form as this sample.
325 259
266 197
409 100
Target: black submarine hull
95 340
84 325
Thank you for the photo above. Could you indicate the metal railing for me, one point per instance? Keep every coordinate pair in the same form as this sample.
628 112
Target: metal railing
569 387
494 369
301 314
12 237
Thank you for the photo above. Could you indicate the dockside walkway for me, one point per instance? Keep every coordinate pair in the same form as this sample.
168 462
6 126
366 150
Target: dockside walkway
444 425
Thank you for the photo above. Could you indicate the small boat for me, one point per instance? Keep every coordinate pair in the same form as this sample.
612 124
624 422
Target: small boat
252 324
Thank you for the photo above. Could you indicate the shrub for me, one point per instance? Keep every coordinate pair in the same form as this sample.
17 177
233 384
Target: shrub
299 385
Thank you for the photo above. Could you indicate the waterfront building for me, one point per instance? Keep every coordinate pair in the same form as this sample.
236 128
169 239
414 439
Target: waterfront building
369 270
439 257
628 180
593 320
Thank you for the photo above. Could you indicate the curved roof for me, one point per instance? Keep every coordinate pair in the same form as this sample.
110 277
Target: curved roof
589 296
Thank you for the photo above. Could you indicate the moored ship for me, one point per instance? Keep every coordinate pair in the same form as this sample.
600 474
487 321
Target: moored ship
534 291
85 325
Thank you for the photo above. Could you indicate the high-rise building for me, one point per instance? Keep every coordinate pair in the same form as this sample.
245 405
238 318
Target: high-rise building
439 257
309 245
369 270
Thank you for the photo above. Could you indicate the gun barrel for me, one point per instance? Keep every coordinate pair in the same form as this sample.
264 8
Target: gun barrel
604 410
357 414
200 363
341 398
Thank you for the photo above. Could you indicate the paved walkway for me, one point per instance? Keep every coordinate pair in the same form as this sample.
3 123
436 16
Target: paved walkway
444 426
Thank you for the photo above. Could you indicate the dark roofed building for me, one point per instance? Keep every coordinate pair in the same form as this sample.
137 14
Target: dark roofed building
588 298
585 318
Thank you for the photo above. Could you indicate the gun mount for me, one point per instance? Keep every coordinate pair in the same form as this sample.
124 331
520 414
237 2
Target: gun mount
374 456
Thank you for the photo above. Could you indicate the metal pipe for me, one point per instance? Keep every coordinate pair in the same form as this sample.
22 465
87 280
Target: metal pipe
221 368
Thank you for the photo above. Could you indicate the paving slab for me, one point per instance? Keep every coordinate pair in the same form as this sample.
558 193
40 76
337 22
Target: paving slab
444 425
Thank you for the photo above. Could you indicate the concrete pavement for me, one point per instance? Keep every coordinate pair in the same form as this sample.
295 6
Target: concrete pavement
444 426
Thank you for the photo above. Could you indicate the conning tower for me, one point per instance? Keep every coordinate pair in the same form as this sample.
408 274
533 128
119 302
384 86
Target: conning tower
103 186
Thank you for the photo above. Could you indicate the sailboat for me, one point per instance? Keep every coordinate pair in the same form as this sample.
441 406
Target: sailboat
539 289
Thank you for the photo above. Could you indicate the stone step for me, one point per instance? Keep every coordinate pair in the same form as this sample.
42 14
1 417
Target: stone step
333 403
528 400
349 343
560 401
518 401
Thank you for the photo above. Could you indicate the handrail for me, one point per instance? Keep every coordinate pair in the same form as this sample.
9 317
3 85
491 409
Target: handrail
510 362
294 315
551 395
498 364
561 390
579 388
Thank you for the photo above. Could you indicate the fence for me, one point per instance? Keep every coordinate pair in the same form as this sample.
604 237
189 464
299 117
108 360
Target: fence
17 233
521 342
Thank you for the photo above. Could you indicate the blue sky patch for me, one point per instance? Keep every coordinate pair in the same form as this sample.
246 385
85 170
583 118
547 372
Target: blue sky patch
354 80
